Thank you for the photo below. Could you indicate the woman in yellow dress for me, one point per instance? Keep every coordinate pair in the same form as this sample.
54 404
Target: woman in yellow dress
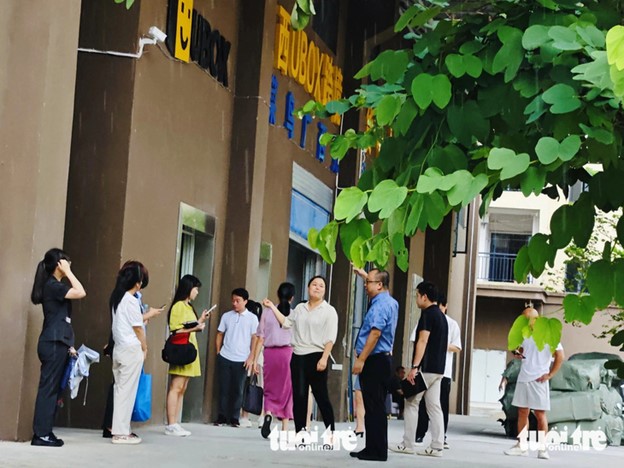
181 313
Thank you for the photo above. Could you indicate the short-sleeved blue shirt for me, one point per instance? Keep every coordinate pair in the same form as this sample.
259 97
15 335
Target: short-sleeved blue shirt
383 314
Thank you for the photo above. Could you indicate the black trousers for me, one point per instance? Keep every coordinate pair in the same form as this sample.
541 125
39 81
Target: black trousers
304 375
107 423
375 383
423 417
53 356
231 384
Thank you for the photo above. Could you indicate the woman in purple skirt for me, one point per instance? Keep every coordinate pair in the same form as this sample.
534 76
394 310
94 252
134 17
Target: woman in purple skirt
278 394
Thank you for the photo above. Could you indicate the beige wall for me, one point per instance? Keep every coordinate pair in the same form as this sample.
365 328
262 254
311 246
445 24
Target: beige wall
37 77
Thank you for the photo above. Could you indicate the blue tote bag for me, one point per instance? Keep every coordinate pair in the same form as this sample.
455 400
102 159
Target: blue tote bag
143 404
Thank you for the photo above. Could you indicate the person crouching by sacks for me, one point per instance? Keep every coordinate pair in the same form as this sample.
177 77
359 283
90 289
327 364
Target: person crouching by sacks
56 340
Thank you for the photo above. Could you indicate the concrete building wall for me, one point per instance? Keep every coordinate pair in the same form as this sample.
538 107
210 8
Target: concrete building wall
37 78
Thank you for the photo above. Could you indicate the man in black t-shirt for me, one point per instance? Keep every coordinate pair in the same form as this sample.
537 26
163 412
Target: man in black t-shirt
429 359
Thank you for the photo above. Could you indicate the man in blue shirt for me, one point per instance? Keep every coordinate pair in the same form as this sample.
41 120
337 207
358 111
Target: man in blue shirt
373 362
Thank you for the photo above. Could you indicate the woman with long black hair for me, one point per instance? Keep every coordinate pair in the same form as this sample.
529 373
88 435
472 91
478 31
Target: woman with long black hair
130 348
56 340
314 326
278 392
181 312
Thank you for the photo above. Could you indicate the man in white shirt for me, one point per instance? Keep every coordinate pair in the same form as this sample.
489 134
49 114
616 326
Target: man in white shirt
454 346
532 389
236 337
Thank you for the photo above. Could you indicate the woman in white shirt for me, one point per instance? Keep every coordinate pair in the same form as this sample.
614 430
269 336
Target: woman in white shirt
314 329
130 348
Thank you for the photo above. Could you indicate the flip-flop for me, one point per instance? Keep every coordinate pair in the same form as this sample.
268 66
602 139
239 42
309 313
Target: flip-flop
266 426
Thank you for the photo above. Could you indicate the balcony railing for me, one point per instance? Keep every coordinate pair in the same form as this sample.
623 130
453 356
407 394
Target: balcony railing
493 266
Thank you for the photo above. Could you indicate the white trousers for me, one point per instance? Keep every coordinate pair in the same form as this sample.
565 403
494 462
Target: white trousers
434 410
127 365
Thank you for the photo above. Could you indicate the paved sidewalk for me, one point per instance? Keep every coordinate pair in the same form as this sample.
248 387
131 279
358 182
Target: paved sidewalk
475 442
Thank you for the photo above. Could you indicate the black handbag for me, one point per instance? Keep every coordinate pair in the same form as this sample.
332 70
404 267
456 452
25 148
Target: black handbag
253 396
178 350
410 390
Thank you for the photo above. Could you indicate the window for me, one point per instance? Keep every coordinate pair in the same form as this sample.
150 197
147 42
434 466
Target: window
325 22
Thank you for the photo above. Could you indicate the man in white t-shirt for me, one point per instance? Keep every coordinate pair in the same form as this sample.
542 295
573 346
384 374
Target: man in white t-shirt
532 389
236 337
454 346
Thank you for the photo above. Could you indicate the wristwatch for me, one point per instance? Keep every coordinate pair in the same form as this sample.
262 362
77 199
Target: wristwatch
416 366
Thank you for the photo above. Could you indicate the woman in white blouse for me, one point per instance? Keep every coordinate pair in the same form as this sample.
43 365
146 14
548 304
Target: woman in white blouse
314 328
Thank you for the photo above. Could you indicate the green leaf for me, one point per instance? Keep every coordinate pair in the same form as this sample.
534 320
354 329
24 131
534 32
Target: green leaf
406 18
461 187
455 65
579 308
339 147
564 38
540 253
515 336
406 116
430 181
562 97
339 106
600 283
396 221
349 232
599 134
387 109
533 181
549 150
473 65
421 90
313 237
618 281
478 184
433 212
387 196
349 203
592 36
615 46
466 121
510 163
357 252
326 243
547 331
522 265
535 36
389 65
510 56
561 227
416 205
620 230
326 138
400 251
441 91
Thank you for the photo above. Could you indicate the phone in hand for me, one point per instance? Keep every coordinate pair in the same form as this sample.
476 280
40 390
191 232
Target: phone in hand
210 310
191 324
515 352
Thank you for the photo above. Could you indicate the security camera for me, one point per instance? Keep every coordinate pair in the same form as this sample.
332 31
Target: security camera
156 34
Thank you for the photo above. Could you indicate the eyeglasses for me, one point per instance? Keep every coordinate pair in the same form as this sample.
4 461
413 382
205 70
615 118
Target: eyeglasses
372 281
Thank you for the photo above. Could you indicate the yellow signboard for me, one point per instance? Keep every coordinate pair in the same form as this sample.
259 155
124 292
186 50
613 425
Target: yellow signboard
302 60
183 32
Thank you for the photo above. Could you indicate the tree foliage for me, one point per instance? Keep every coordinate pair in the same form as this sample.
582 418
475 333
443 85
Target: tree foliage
487 95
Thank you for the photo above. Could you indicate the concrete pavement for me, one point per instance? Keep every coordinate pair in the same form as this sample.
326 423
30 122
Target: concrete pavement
474 441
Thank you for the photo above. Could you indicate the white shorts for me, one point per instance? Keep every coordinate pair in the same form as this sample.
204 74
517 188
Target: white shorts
534 395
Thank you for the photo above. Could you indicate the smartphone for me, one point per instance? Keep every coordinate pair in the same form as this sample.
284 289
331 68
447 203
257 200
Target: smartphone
163 306
191 324
212 308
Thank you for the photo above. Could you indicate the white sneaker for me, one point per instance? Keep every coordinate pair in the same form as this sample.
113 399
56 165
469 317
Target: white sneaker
431 452
400 448
543 454
516 451
176 430
244 422
126 440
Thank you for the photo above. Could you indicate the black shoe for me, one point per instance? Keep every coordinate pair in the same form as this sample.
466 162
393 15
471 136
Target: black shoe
266 426
356 454
419 440
221 421
368 457
234 423
47 441
106 433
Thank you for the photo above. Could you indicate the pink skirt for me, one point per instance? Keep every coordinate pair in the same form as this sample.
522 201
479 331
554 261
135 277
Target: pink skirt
278 395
